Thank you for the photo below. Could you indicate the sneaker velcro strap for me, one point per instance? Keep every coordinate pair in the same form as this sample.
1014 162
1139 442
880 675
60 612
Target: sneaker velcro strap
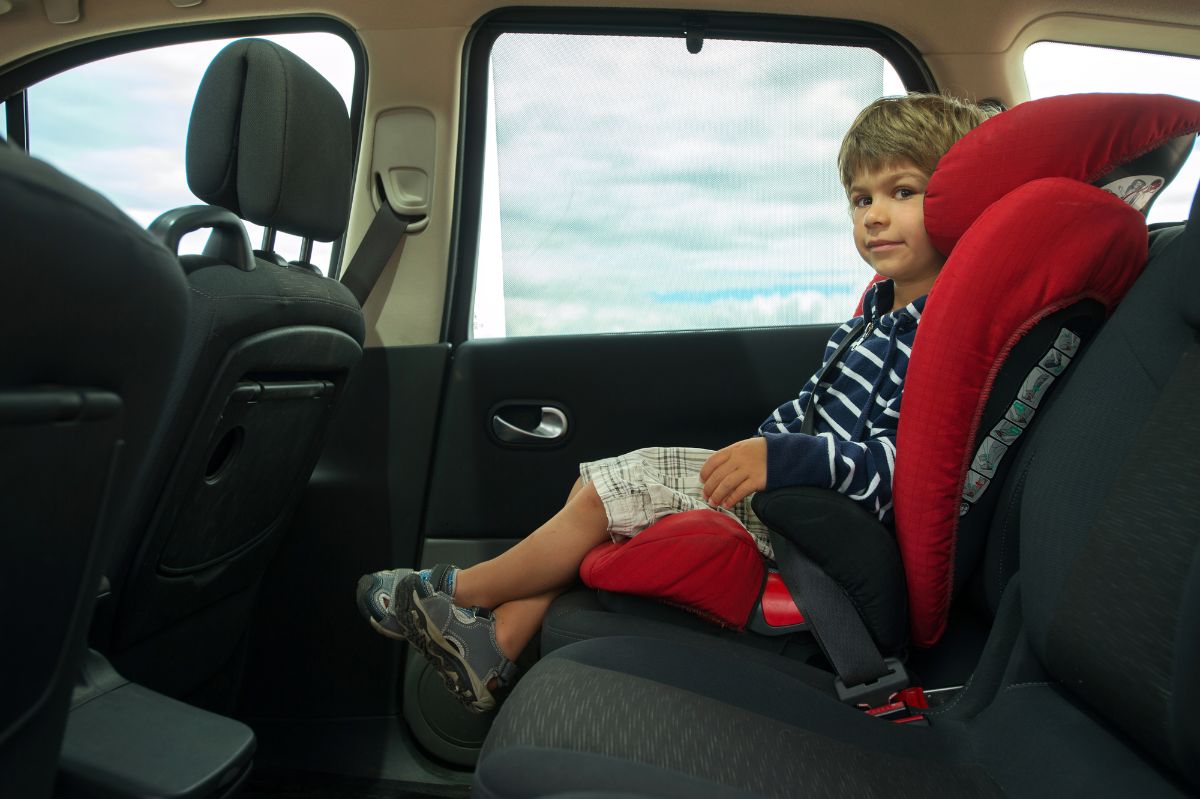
506 674
440 577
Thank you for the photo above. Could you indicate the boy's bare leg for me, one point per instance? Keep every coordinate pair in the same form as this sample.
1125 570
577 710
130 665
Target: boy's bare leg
545 561
519 620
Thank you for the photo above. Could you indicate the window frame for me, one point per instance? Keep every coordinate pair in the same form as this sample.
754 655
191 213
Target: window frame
468 189
15 78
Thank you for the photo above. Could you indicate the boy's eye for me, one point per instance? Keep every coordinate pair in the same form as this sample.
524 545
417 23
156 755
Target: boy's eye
904 193
861 201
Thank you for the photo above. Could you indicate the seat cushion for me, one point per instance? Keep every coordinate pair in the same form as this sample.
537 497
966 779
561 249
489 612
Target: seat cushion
636 713
706 714
700 560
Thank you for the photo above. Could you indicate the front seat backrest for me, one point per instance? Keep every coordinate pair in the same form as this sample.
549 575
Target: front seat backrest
94 313
272 347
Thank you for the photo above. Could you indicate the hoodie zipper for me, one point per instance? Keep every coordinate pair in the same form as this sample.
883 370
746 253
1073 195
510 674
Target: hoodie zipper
866 333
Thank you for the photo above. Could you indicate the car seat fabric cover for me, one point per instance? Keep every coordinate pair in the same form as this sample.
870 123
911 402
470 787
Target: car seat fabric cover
91 303
1087 259
1074 241
1077 136
278 157
185 580
1110 553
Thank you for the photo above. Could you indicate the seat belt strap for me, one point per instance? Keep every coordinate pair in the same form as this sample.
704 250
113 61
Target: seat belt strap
385 234
808 423
863 675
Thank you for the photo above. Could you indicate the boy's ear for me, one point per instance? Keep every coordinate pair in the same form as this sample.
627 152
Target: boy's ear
1085 137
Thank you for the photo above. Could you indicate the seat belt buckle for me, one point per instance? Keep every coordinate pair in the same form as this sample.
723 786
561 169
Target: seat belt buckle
877 692
903 707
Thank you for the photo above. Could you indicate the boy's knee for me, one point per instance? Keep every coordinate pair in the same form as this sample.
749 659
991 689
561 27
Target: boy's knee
586 493
575 489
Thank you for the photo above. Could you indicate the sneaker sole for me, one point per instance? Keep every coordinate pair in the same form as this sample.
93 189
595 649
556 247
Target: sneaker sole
439 652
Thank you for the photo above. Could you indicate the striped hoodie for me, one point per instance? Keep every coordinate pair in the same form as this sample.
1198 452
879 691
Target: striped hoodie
853 449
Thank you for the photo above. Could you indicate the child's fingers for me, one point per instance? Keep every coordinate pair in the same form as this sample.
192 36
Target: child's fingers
741 492
717 470
737 492
729 483
714 460
711 482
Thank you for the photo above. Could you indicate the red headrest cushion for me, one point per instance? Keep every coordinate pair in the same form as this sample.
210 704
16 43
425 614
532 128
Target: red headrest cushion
1078 136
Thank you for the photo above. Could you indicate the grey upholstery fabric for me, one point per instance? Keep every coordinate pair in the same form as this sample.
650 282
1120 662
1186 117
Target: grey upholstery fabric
273 297
1034 741
1148 530
525 772
268 353
1089 432
585 613
760 678
1001 560
1109 524
627 713
269 139
577 707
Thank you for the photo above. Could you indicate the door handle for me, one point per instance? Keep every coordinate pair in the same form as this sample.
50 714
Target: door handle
551 427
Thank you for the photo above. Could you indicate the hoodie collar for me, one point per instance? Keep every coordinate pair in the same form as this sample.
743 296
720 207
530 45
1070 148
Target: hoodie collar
877 307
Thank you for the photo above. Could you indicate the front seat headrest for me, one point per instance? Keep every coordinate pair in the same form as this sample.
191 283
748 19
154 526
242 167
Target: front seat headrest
1111 140
269 139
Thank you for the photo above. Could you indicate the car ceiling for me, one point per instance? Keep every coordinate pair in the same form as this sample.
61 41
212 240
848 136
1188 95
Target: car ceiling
933 26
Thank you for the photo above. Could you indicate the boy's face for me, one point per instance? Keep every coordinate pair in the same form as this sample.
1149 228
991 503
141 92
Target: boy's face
888 207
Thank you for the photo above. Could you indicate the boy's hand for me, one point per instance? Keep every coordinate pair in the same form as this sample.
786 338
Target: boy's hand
734 473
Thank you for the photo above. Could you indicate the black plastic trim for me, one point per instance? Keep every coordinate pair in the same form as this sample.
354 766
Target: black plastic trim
16 110
464 236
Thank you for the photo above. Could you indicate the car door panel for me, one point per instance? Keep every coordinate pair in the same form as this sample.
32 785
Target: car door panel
617 393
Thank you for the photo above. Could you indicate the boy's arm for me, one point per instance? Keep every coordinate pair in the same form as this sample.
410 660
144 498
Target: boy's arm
862 470
737 471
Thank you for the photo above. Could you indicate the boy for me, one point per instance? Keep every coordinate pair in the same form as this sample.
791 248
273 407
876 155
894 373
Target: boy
885 162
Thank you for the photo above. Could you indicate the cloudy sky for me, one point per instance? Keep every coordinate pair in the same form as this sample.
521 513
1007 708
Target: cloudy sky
629 185
641 187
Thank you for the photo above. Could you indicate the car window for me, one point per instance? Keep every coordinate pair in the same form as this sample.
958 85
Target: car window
630 185
1053 68
120 124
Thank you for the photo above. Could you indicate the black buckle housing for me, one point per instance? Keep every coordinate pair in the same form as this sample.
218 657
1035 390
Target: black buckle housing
877 692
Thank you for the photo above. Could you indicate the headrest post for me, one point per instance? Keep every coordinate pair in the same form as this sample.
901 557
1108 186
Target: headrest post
306 247
268 240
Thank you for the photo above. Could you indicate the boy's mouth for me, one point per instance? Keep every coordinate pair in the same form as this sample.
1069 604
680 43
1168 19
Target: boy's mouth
882 245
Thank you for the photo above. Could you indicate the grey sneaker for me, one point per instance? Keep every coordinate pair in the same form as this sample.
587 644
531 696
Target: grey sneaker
459 642
375 590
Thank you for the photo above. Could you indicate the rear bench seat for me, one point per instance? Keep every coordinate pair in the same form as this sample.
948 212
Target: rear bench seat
1086 684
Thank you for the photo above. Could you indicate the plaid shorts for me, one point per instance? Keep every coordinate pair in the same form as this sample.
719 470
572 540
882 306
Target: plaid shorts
645 485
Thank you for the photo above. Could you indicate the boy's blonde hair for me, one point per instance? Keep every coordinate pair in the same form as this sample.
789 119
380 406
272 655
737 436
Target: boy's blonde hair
917 127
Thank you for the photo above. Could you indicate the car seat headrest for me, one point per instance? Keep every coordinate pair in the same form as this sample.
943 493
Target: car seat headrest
1130 145
269 139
